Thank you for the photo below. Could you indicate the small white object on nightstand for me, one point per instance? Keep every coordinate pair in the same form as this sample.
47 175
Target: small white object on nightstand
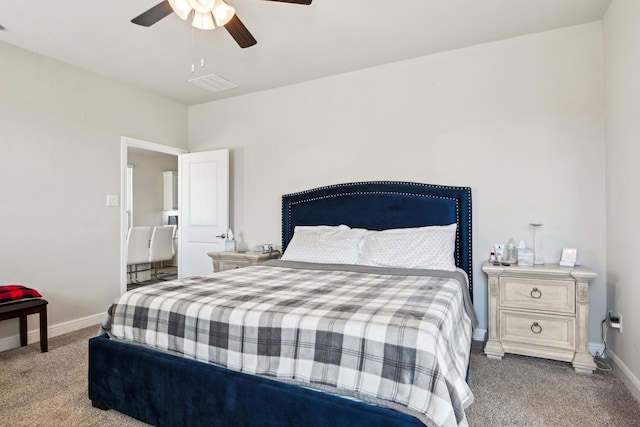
569 257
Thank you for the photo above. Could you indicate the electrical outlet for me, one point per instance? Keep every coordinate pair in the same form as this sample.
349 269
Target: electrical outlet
619 322
615 320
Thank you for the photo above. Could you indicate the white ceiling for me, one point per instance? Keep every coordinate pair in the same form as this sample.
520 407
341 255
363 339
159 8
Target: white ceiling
296 43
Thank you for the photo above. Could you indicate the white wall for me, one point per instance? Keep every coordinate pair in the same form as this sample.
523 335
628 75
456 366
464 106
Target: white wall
622 59
521 121
60 142
148 188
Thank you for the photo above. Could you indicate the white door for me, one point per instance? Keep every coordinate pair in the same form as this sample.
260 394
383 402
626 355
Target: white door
204 209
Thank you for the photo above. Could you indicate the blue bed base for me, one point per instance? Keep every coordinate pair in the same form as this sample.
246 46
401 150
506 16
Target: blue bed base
166 390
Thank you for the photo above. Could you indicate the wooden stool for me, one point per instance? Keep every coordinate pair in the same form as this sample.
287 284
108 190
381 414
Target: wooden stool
22 309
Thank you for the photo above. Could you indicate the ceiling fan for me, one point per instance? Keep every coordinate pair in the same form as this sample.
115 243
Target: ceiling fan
203 14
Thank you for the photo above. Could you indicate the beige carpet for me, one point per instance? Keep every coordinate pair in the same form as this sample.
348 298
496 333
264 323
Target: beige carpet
50 389
532 392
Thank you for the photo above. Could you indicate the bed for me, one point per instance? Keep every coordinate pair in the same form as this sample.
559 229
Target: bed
154 384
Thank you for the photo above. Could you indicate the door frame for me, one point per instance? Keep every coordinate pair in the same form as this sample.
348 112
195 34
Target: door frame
125 144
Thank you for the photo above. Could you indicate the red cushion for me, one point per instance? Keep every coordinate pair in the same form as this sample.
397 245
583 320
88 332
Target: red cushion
17 292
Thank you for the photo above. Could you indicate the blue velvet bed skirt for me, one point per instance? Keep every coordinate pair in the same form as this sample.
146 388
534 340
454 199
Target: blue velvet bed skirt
166 390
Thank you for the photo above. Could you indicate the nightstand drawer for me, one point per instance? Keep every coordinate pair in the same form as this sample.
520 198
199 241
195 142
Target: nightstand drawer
538 329
233 264
554 296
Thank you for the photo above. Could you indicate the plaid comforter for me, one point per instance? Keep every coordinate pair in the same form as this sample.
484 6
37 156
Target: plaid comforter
400 341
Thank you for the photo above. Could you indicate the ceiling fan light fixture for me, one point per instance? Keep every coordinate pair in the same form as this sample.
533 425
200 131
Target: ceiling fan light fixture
181 8
203 21
202 6
203 14
223 13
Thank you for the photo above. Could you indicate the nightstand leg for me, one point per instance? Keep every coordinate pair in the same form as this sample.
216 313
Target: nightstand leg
582 360
493 348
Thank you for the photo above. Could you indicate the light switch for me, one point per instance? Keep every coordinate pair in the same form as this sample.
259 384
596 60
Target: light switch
113 200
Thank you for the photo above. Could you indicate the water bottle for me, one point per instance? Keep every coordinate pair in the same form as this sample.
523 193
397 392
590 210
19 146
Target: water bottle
511 253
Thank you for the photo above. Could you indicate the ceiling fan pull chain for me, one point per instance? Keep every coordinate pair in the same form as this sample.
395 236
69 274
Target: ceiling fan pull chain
201 48
193 46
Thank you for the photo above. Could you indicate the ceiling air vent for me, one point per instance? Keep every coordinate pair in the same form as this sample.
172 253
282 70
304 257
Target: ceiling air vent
213 83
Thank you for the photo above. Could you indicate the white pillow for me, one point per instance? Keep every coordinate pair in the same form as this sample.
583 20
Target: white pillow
324 244
431 248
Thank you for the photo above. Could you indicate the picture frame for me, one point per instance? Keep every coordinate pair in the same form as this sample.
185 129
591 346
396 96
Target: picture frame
569 257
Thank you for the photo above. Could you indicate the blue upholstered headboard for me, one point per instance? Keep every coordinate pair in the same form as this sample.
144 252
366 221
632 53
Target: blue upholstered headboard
380 205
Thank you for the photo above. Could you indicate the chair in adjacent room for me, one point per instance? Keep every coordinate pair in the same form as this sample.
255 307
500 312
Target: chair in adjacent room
137 249
161 247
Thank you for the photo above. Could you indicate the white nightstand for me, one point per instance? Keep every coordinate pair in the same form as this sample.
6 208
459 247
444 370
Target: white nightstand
229 260
540 311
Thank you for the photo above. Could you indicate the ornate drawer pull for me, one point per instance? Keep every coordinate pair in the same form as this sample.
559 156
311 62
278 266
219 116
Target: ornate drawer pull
536 328
535 293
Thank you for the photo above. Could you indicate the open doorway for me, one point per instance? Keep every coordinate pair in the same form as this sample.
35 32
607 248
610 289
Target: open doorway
149 199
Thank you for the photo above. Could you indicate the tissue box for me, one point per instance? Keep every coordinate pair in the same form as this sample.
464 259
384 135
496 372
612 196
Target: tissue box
525 257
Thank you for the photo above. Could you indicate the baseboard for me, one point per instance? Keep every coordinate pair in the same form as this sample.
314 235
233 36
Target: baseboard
480 335
53 331
624 373
595 348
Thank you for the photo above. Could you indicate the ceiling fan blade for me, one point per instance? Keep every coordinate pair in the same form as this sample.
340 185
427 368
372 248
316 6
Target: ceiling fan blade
239 32
153 15
293 1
